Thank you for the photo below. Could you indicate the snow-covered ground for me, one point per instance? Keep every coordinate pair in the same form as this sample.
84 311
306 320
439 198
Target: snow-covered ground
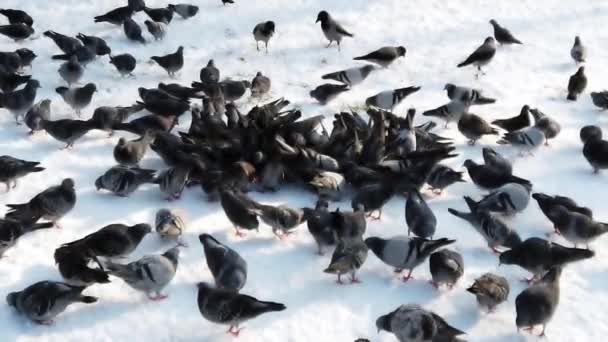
437 34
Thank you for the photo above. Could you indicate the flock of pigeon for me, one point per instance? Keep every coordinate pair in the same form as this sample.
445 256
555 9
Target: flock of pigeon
228 153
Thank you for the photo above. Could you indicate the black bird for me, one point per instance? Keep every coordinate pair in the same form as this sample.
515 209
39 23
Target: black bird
11 81
97 44
15 16
11 169
384 56
320 225
600 99
548 205
67 130
537 304
133 31
125 63
11 231
515 123
114 240
327 92
488 178
441 177
20 101
373 197
163 15
16 32
446 267
186 11
137 5
172 62
116 16
73 264
577 84
65 43
12 62
502 35
482 56
595 148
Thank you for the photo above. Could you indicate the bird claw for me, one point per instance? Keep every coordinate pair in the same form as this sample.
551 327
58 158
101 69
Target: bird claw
47 322
158 297
239 233
234 332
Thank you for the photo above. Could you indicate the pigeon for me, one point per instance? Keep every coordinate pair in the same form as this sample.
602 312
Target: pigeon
441 177
16 32
502 35
473 127
165 105
450 112
384 56
328 92
158 30
14 62
20 101
11 169
223 306
16 16
154 123
65 43
133 31
595 148
43 301
537 304
262 32
489 178
78 98
577 84
112 241
329 185
600 99
137 5
576 227
515 123
228 268
85 54
116 16
352 76
172 62
490 290
333 31
538 256
419 217
106 117
496 161
508 199
40 111
446 267
150 274
493 229
163 15
549 126
67 130
51 204
282 219
210 74
527 139
402 252
11 81
172 181
548 204
186 11
124 181
320 225
391 98
240 210
412 323
578 51
169 223
130 153
347 258
482 56
234 90
124 63
260 85
73 265
11 231
372 197
349 226
98 45
466 94
71 71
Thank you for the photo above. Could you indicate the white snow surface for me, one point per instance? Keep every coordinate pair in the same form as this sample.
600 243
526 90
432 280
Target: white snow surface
438 34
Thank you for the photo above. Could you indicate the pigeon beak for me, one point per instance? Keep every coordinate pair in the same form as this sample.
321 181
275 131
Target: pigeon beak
317 20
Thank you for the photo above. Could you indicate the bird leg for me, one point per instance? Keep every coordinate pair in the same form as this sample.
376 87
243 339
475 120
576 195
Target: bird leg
407 277
435 284
158 297
57 225
234 331
328 45
266 45
47 322
371 215
339 280
471 142
542 333
8 187
354 279
257 45
238 232
534 279
495 250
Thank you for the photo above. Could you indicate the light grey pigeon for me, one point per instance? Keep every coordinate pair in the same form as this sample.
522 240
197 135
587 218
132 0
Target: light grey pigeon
352 76
78 98
548 125
262 32
578 52
402 252
490 290
494 230
20 101
384 56
172 181
11 231
391 98
509 199
419 217
333 31
169 223
466 94
496 161
537 304
231 308
130 153
446 267
260 85
11 169
71 71
43 301
150 274
34 116
576 227
123 181
527 139
412 323
482 56
347 259
450 112
228 268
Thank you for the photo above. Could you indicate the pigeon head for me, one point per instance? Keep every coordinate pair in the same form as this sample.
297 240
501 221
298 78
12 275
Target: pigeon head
383 323
323 16
590 133
11 299
577 40
202 286
207 240
173 254
469 163
269 26
211 63
68 183
246 84
90 88
142 92
259 73
508 257
102 49
26 55
581 71
180 50
449 87
539 196
488 152
490 40
401 51
493 22
171 7
122 141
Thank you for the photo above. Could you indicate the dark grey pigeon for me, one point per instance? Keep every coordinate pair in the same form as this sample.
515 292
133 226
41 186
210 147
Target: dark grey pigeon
441 177
98 45
537 304
155 123
40 111
112 241
137 5
228 268
328 92
73 265
172 181
349 226
538 256
11 169
576 227
11 231
20 101
106 117
517 122
130 153
234 90
172 62
473 127
490 290
496 161
548 204
389 99
548 125
260 85
595 149
186 11
347 258
404 253
51 204
116 16
320 225
489 178
482 56
210 74
78 98
163 15
577 84
262 32
71 71
67 130
158 30
502 35
133 31
43 301
239 209
384 56
16 16
85 54
12 62
600 99
16 32
352 76
11 81
446 267
333 31
227 307
419 217
123 181
466 94
372 197
124 63
578 52
169 223
412 323
65 43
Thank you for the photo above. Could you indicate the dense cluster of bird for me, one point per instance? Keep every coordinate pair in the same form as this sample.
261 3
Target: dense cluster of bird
229 153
